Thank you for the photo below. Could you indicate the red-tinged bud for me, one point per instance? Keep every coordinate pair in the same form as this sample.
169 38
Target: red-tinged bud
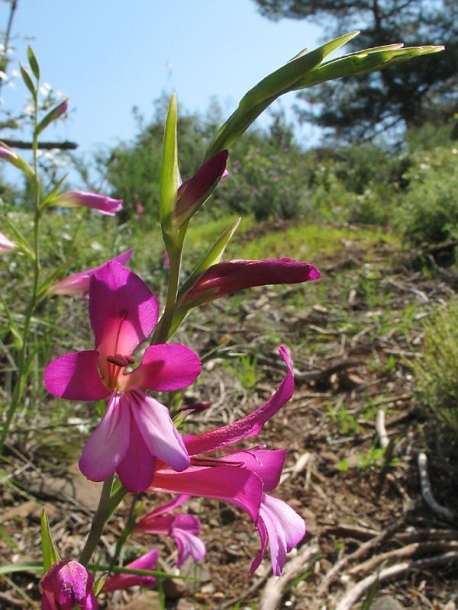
232 276
67 585
197 189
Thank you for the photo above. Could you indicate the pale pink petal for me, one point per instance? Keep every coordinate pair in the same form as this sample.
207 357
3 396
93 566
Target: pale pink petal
158 430
75 376
107 445
122 309
230 484
101 203
284 529
125 581
79 282
166 368
251 424
136 470
6 245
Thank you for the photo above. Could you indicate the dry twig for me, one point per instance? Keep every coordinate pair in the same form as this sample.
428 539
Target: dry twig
276 585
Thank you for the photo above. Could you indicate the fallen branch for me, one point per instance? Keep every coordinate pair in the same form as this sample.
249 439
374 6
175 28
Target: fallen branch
427 493
360 552
353 595
410 550
276 585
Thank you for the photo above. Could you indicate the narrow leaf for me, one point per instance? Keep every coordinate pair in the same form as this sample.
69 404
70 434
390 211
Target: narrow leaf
28 81
268 90
50 552
52 116
364 61
33 63
212 257
13 327
170 178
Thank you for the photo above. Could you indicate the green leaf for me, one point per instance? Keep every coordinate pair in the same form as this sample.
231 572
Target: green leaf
17 336
212 257
28 81
306 70
11 156
364 61
25 566
170 178
33 63
52 116
50 552
269 89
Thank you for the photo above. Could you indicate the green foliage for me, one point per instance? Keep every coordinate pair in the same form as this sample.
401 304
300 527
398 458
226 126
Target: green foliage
429 212
437 371
360 108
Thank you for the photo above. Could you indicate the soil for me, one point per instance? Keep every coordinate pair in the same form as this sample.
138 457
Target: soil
365 513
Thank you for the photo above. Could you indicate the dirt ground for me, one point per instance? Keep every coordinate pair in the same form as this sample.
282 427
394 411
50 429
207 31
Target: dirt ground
369 530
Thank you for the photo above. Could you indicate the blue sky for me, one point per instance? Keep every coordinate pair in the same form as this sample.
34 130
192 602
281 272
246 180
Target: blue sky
111 55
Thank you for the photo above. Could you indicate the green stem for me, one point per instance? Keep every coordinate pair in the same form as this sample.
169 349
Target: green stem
22 362
98 523
161 333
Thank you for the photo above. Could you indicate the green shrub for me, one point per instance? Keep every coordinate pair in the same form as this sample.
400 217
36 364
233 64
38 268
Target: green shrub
437 371
429 213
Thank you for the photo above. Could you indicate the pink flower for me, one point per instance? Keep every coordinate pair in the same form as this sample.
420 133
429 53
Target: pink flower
6 245
67 585
244 478
231 276
123 580
79 282
182 528
101 203
197 189
136 429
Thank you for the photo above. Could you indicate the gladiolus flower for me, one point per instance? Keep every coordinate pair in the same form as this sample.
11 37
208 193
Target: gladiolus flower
232 276
244 478
123 580
182 528
67 585
135 429
101 203
6 245
79 282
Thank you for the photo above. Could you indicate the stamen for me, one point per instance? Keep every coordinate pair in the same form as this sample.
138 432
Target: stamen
120 360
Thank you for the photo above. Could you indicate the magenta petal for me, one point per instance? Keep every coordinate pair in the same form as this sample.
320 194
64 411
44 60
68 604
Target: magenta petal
158 430
184 532
266 463
107 445
68 584
251 424
166 368
125 580
230 484
122 309
75 376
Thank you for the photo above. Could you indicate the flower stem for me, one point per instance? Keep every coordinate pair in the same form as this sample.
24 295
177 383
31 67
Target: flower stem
161 333
98 523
